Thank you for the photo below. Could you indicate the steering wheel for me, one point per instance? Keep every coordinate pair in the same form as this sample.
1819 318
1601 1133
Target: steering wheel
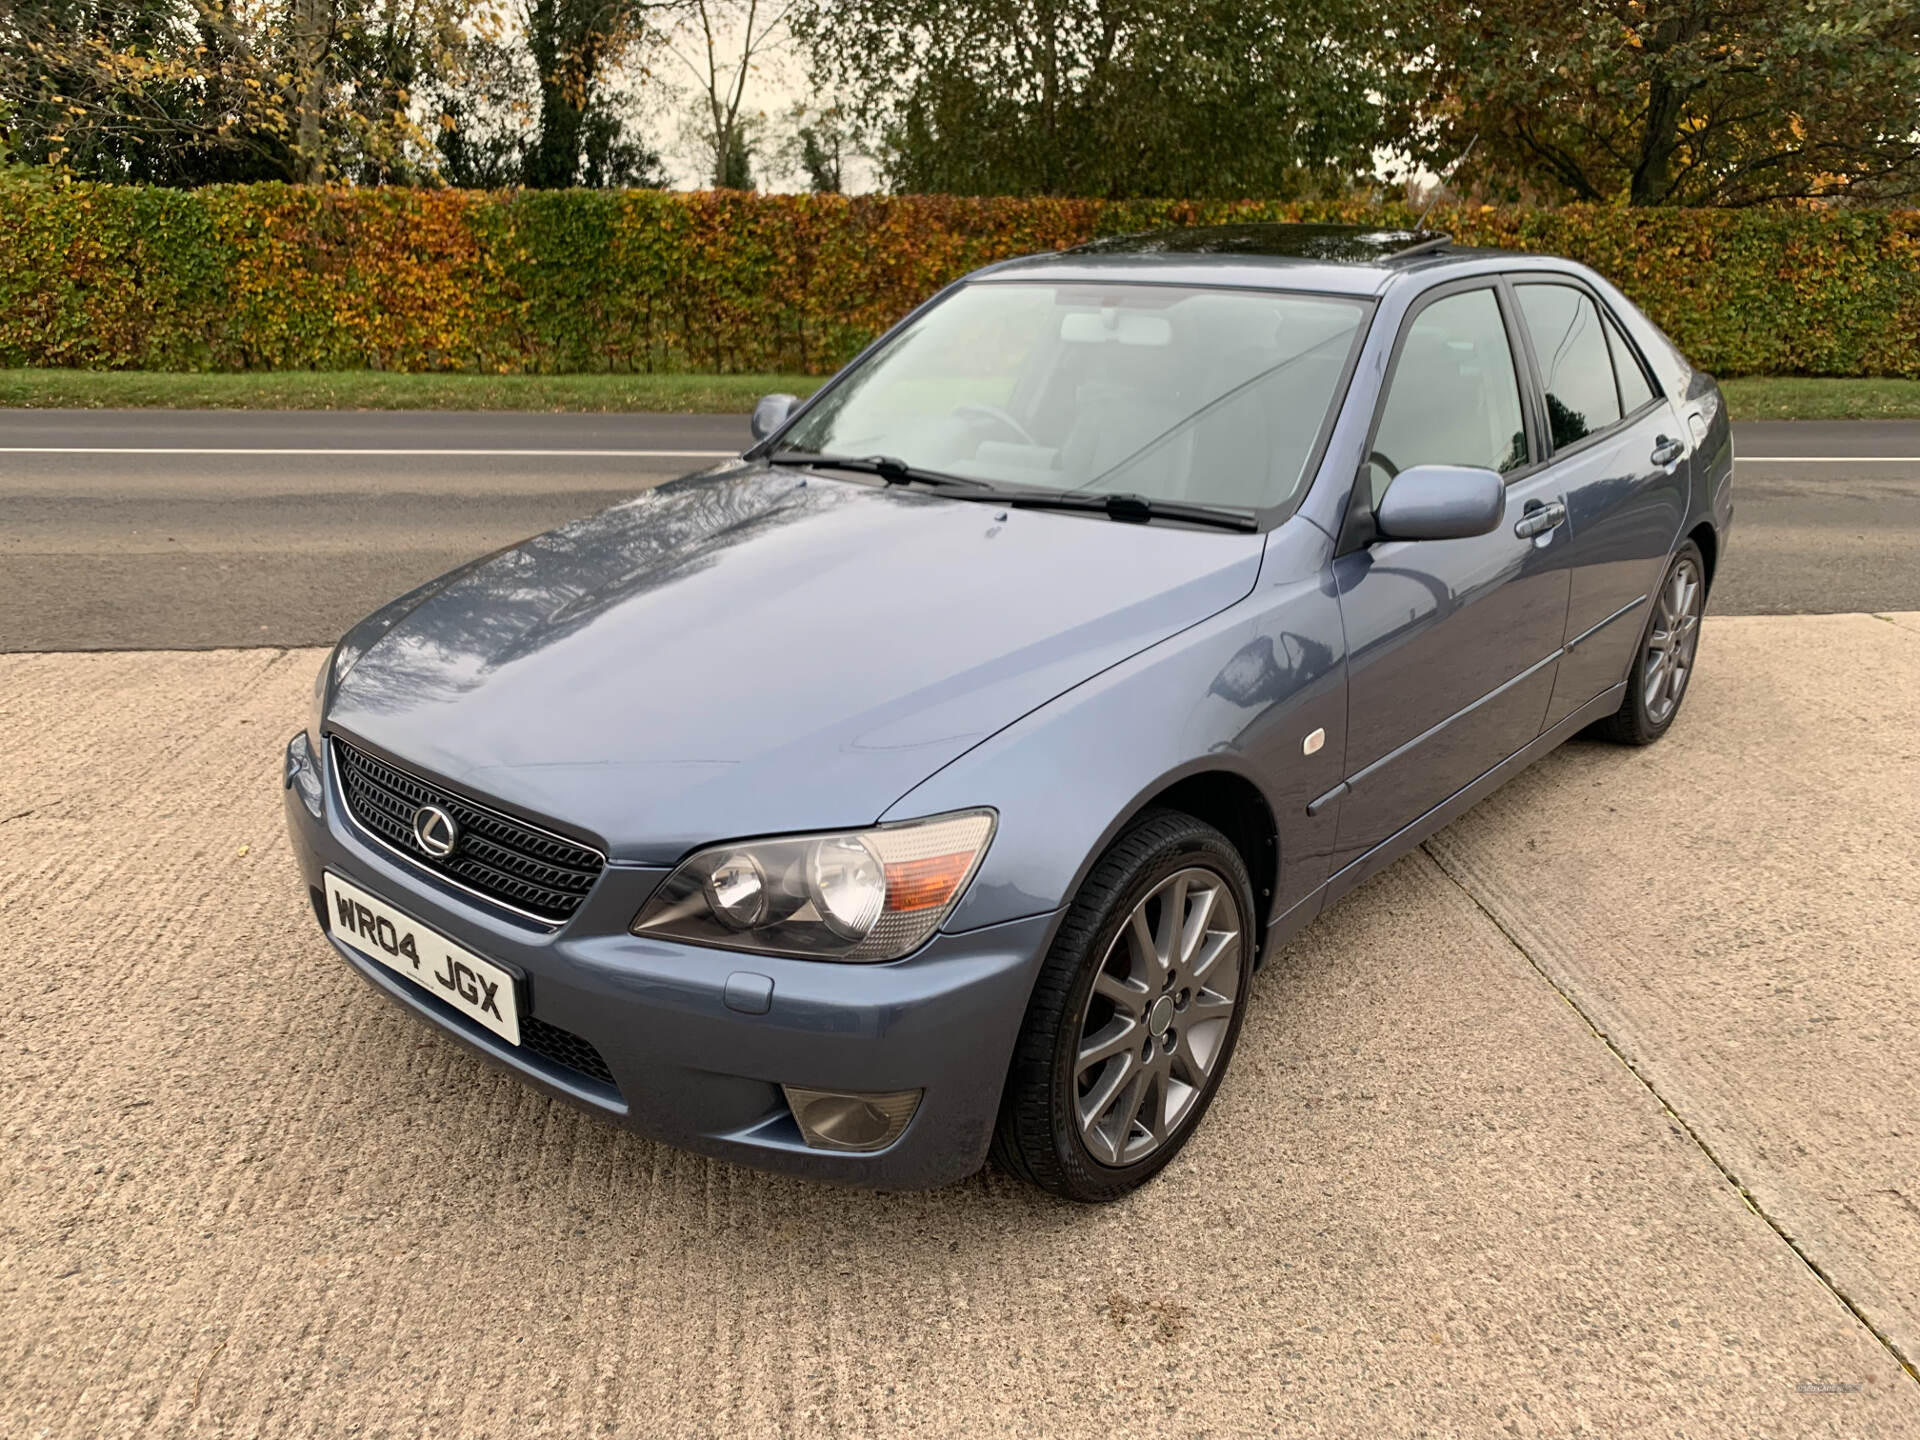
1376 458
993 414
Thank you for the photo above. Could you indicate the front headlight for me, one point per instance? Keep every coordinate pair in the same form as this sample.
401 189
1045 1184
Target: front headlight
858 895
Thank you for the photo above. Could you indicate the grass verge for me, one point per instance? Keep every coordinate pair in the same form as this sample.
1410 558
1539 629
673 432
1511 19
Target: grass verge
1787 397
377 390
1756 398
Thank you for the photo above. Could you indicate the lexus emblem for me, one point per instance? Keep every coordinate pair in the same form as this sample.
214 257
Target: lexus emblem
434 831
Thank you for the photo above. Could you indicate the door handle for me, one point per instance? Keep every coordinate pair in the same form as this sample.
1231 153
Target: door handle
1666 452
1540 519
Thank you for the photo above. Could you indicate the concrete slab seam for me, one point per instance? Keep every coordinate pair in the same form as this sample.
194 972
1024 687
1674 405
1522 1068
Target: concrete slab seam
1906 1364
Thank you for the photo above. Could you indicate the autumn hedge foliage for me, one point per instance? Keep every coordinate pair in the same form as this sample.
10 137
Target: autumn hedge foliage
280 277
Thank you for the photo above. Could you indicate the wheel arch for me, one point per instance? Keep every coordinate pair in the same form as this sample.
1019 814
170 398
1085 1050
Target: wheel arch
1232 804
1708 539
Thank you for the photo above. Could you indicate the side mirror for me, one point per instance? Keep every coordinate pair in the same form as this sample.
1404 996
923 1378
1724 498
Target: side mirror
1441 502
771 413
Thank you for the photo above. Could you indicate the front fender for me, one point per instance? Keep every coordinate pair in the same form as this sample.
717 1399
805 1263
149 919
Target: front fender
1237 693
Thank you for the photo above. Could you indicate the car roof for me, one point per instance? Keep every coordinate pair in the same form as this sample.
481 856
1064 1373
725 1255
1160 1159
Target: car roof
1341 259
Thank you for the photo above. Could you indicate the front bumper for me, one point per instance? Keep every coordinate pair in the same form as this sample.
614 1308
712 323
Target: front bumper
690 1069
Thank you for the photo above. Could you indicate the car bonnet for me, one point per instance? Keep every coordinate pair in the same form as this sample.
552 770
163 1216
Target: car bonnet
757 651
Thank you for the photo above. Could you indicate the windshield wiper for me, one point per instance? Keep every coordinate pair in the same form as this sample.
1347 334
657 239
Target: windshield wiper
894 472
1134 509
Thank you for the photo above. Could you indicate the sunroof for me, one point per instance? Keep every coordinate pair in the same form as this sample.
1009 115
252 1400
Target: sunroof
1340 244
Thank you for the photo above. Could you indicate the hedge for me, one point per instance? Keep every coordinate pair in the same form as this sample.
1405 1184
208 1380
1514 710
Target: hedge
282 277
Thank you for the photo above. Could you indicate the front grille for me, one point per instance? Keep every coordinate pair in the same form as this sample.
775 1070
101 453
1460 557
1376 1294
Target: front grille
503 859
563 1047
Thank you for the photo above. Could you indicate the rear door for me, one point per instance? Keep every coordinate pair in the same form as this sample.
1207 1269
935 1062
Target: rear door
1452 644
1618 457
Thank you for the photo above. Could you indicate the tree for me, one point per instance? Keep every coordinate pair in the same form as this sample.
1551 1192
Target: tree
574 43
140 90
612 154
1673 102
582 133
820 160
723 42
735 168
486 116
186 92
819 144
1118 98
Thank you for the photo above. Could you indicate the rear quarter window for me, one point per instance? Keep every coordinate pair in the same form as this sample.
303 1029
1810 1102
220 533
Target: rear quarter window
1671 371
1635 389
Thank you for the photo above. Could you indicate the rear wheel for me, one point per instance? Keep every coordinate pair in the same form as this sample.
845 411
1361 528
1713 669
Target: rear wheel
1658 681
1135 1014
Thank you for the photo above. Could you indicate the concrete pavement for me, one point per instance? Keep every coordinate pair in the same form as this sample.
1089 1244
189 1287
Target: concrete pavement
1752 950
124 530
1594 1118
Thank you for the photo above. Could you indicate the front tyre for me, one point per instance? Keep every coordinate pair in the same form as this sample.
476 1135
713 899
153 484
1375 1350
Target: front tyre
1135 1014
1664 663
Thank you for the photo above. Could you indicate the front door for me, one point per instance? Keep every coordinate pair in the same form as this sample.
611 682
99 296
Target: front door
1452 645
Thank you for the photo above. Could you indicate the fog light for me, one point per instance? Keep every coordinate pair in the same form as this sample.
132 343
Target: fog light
303 773
836 1120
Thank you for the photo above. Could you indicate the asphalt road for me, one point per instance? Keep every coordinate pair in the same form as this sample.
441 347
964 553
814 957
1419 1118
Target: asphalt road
185 529
1593 1118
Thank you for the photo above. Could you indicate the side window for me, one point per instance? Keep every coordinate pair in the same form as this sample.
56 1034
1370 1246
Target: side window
1575 369
1635 390
1454 398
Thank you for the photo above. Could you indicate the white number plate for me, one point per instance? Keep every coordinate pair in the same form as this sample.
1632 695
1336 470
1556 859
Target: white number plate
475 987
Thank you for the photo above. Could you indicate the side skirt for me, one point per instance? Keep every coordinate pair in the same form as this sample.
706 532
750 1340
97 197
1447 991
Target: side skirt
1284 927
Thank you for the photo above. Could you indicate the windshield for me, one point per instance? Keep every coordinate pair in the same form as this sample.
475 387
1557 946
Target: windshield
1214 397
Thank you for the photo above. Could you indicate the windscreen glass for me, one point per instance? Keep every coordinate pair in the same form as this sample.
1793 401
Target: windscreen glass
1213 397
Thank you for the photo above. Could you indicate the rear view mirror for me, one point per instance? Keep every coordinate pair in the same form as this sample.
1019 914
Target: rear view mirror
771 413
1441 502
1108 327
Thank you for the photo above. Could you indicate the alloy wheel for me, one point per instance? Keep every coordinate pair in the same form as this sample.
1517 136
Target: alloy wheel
1159 1016
1672 641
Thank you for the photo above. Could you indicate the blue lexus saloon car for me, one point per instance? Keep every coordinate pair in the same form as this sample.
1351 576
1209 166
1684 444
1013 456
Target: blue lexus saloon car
929 782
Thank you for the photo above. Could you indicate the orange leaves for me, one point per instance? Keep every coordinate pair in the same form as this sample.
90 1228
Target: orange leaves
288 277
